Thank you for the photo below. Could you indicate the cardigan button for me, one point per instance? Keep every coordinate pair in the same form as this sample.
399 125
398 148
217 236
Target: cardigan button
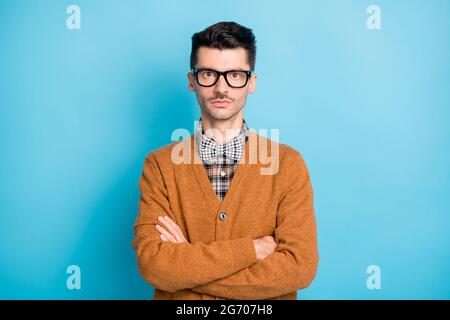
223 216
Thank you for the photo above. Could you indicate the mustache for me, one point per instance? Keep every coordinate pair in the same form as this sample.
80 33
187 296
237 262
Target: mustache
221 97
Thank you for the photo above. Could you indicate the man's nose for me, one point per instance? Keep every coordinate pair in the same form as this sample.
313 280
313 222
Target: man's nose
221 85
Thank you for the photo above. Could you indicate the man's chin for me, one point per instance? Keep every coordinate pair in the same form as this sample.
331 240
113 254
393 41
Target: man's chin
220 114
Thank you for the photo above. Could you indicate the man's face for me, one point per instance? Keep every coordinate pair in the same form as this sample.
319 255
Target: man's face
234 98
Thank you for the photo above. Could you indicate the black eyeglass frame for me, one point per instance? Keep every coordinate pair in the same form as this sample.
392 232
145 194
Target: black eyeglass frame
195 72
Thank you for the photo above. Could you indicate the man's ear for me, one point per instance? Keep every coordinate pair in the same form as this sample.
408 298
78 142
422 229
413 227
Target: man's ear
191 81
252 83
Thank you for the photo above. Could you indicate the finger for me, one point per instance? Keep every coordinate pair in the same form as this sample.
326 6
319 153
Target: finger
172 223
163 237
180 235
272 239
173 228
166 233
169 226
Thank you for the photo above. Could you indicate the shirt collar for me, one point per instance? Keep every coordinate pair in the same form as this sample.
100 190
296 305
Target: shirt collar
243 133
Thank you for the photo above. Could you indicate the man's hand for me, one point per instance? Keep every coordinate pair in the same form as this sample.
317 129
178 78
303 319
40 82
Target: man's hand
264 247
173 232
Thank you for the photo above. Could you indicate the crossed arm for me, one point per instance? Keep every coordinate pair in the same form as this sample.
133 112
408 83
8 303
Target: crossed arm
228 268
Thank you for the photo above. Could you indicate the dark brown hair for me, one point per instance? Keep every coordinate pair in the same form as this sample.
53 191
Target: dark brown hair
225 35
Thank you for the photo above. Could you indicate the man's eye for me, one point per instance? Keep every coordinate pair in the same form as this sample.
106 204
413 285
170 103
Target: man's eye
235 75
207 74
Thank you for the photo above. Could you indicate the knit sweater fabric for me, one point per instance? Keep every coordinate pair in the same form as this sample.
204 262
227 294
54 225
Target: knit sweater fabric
219 259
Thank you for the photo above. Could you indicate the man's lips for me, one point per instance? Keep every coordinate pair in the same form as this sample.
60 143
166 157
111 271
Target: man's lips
218 101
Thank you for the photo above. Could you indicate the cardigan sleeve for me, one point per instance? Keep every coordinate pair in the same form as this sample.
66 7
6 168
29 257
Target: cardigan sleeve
294 263
176 266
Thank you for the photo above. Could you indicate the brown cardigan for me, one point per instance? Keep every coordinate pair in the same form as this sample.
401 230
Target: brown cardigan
220 258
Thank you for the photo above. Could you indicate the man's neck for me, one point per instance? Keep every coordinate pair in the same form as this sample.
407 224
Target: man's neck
222 131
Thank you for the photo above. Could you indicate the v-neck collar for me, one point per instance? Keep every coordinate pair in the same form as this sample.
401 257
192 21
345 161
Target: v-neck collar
205 184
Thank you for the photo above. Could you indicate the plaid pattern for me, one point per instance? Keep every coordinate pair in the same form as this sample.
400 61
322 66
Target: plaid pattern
232 150
221 161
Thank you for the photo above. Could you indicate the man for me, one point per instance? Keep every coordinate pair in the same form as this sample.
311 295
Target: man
221 227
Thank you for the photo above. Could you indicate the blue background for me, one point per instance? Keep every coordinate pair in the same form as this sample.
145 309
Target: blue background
368 110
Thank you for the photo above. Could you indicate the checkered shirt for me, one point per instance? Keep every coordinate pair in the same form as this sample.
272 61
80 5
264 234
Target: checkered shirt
221 161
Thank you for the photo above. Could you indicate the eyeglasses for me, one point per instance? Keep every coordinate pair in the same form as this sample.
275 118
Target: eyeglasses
209 77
